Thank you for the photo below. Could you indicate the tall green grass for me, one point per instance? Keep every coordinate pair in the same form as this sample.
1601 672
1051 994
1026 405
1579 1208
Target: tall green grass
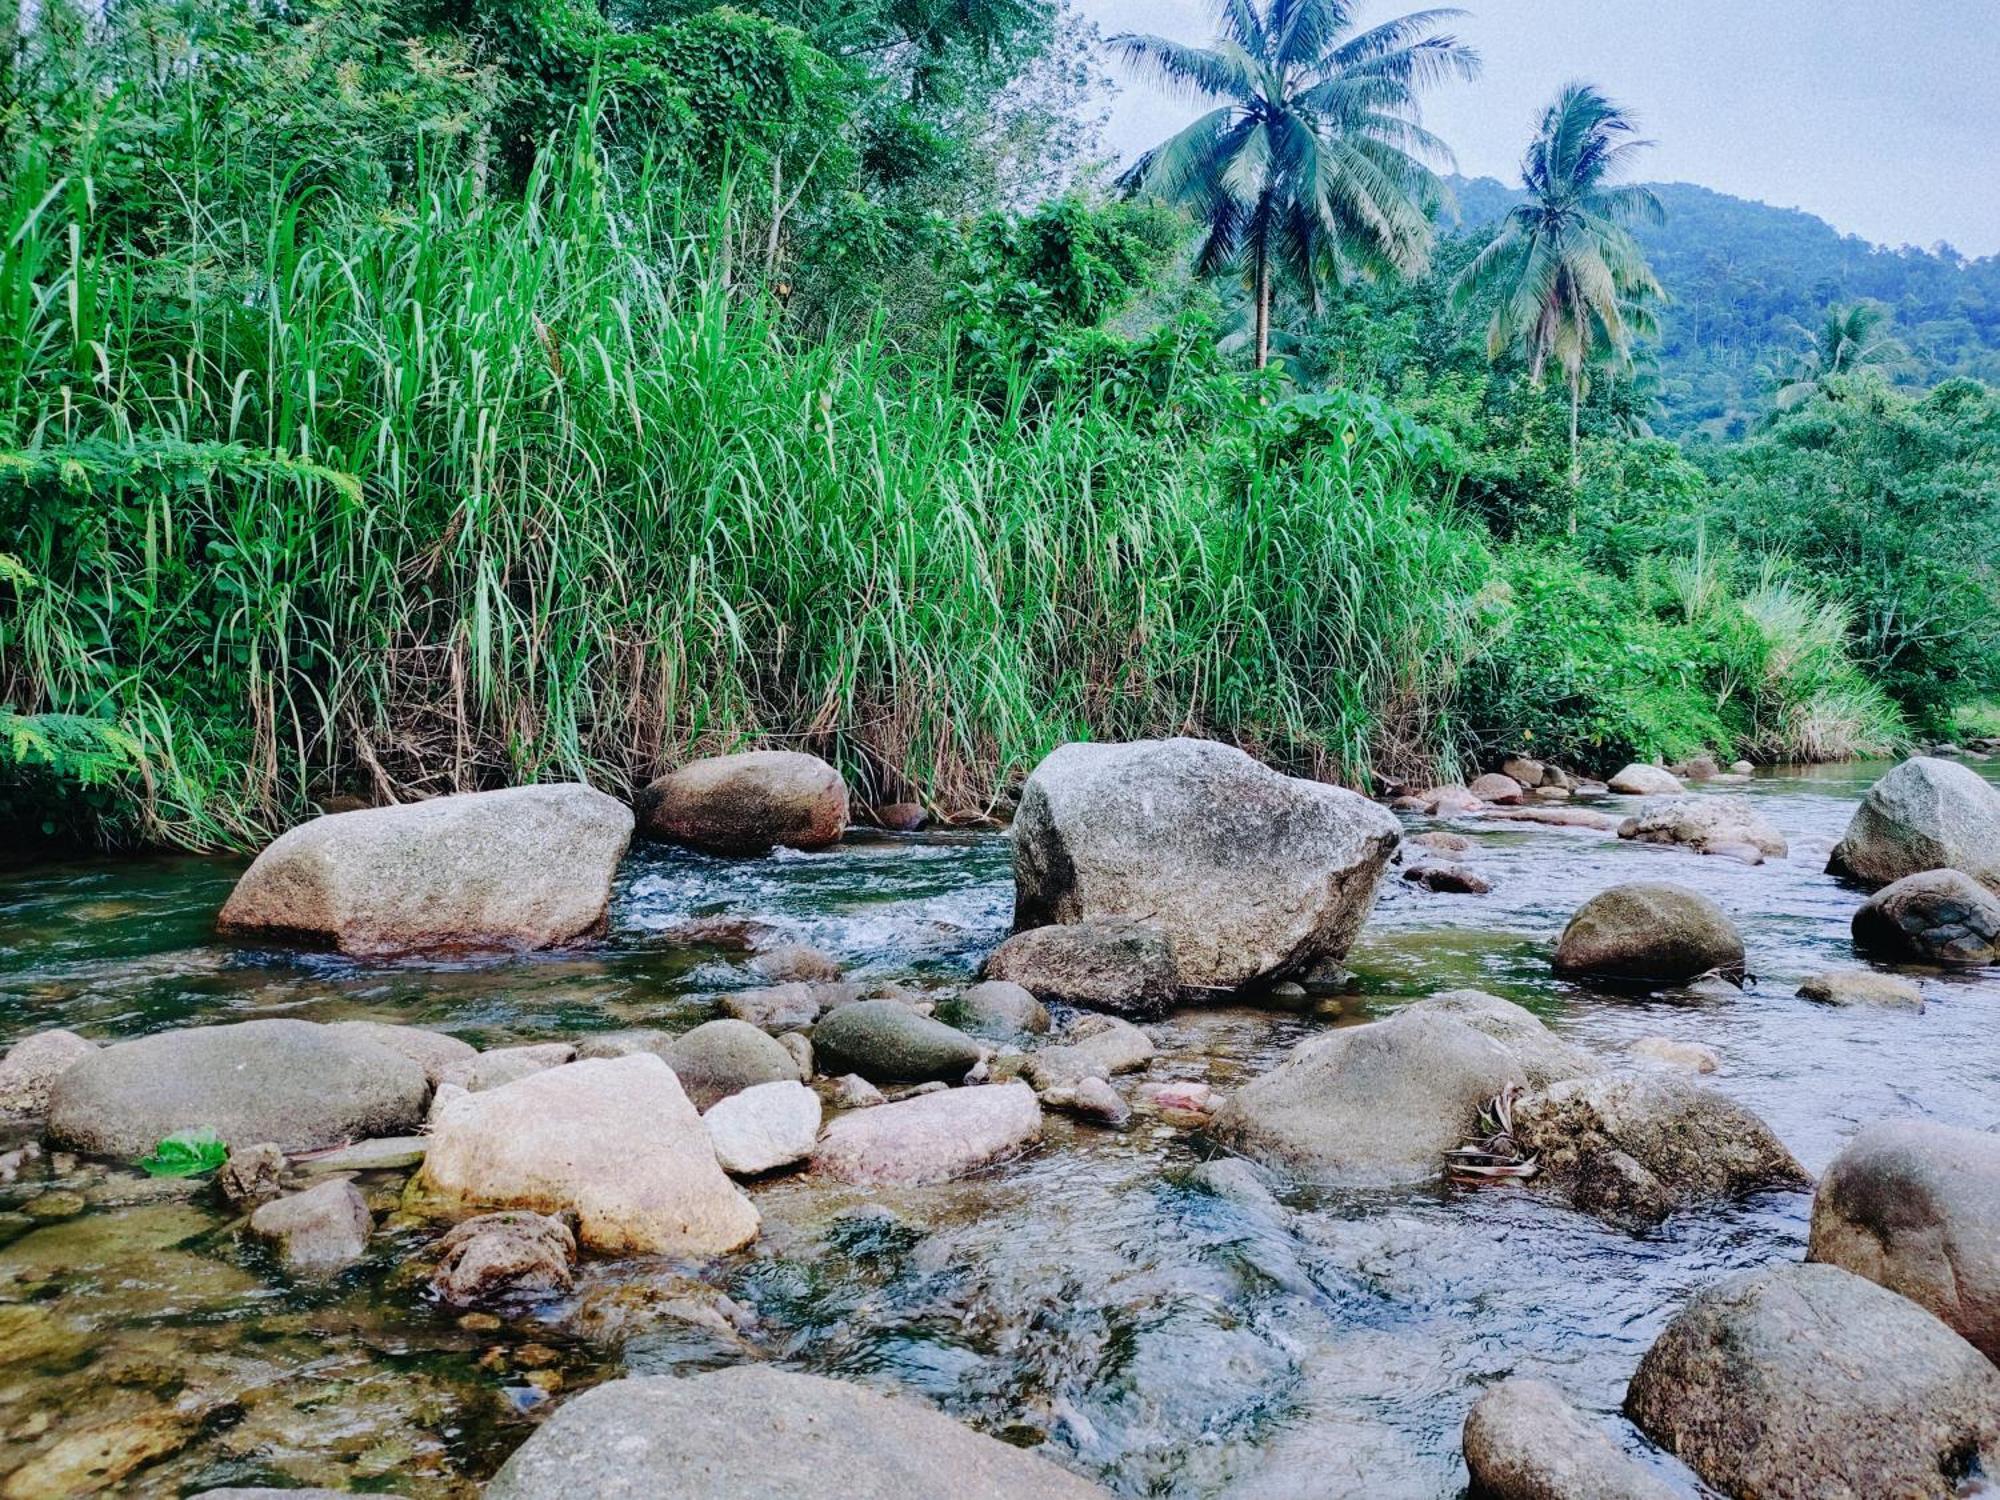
304 501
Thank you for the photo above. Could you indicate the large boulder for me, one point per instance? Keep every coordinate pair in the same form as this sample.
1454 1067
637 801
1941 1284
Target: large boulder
529 867
1650 932
1250 874
1935 917
29 1071
1127 968
1524 1441
1926 814
295 1084
720 1058
1372 1105
887 1042
748 803
1807 1381
930 1138
433 1051
1915 1207
1544 1056
613 1141
998 1008
1634 1148
753 1430
1710 825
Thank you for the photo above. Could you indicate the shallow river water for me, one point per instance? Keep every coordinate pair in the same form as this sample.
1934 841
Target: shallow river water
1160 1339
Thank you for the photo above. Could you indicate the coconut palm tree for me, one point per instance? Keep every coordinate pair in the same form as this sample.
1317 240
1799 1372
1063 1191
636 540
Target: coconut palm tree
1567 274
1312 157
1847 341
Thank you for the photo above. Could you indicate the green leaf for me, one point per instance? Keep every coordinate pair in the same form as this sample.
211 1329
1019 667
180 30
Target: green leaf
187 1153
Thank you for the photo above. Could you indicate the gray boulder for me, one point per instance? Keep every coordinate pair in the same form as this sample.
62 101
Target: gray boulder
720 1058
1123 967
764 1128
753 1430
1525 1441
319 1230
998 1008
28 1072
529 867
748 803
887 1042
1650 932
1545 1057
1638 780
1807 1381
497 1256
1635 1148
931 1137
1251 875
1926 814
1090 1047
1936 917
1710 825
796 963
785 1007
503 1065
1371 1105
1915 1207
292 1083
604 1044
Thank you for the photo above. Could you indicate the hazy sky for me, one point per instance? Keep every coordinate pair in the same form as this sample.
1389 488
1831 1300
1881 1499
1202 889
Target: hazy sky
1880 116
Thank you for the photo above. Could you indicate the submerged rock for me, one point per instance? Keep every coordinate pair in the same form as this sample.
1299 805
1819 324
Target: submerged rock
1805 1380
1250 874
1123 967
1371 1105
1915 1207
1525 1441
748 803
613 1141
1633 1149
780 1436
495 1256
1711 825
1447 878
1862 987
1687 1057
720 1058
1650 932
1926 814
887 1042
90 1460
529 867
319 1230
252 1174
1090 1047
31 1067
930 1138
292 1083
1645 781
1936 917
764 1128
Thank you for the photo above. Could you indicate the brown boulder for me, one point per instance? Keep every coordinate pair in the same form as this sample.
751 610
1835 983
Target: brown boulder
748 803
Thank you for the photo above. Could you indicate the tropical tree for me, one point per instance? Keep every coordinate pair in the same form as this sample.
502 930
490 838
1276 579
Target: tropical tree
1313 158
1847 341
1570 282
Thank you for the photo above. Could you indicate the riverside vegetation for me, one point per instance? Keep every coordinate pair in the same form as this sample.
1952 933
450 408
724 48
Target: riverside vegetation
412 397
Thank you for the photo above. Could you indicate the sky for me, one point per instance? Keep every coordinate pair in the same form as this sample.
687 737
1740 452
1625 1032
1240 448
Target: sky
1880 116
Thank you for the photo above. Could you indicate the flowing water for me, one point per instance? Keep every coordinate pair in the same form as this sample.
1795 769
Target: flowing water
1090 1298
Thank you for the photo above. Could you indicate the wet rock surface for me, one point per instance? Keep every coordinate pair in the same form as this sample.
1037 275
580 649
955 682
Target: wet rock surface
1124 967
1650 933
1525 1441
319 1230
1937 917
492 1257
766 1432
1807 1380
887 1042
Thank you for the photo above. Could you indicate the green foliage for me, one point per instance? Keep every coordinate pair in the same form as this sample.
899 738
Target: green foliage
187 1153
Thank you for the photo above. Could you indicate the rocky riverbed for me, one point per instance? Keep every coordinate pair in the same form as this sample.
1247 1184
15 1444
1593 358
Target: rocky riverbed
1120 1296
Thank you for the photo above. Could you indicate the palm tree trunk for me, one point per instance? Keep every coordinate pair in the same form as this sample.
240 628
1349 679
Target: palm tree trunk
1575 458
1262 272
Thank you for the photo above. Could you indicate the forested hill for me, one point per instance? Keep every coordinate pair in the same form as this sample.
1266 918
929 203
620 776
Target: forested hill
1742 273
